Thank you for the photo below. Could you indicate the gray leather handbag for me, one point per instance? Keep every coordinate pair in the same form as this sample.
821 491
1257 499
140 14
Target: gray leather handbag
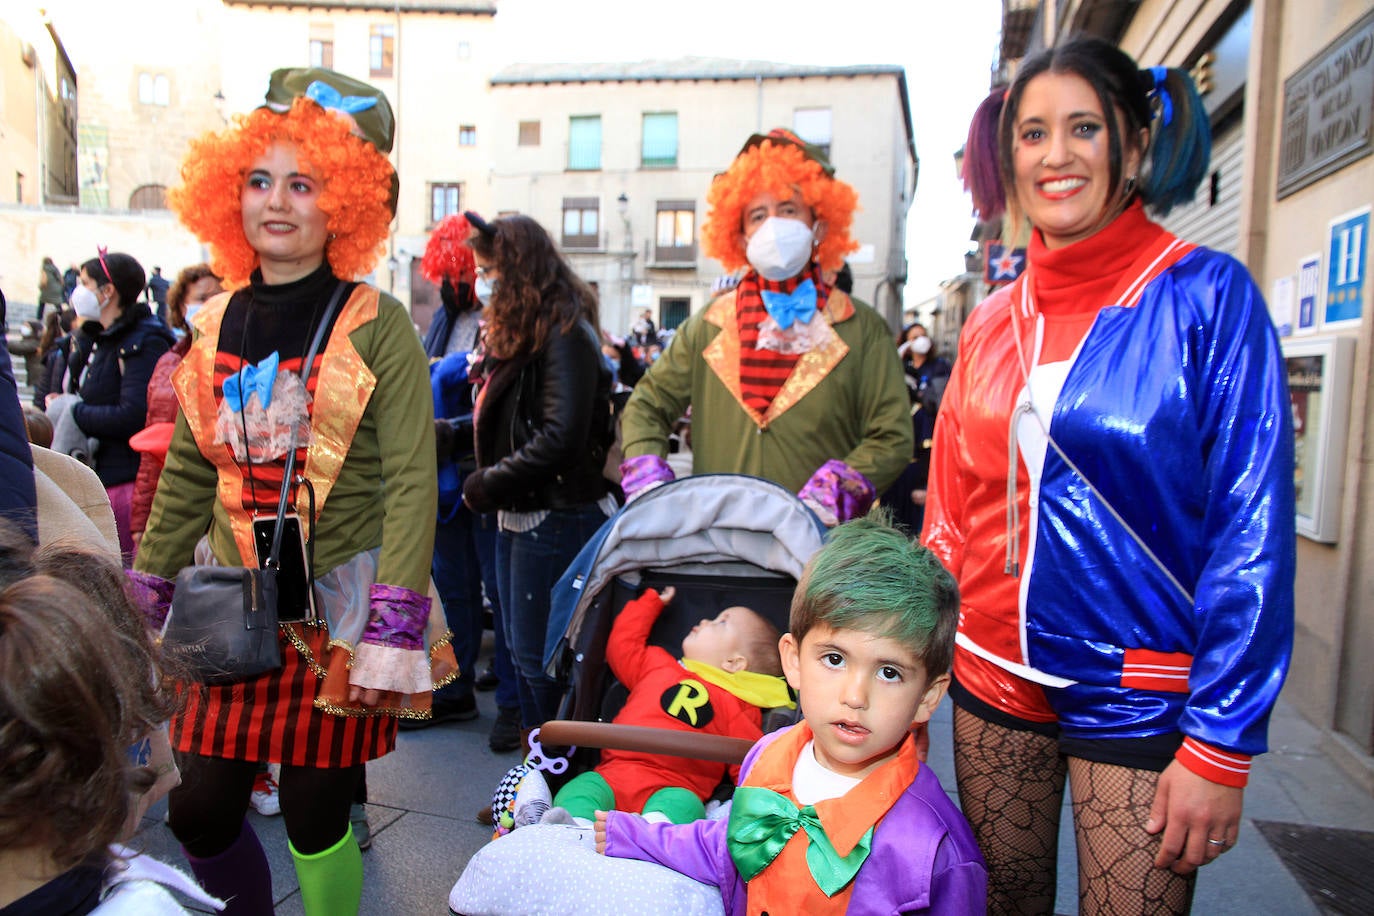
223 620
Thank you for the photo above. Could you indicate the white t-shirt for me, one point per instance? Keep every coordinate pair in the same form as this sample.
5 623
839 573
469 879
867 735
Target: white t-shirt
812 782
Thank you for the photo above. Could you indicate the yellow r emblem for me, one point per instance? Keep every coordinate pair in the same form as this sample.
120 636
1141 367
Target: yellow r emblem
689 702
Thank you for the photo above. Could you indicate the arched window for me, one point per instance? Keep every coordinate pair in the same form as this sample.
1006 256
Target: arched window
149 197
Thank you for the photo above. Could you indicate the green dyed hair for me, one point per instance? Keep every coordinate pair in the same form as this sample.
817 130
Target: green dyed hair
871 576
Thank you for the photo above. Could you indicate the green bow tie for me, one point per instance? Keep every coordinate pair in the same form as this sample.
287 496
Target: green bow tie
761 823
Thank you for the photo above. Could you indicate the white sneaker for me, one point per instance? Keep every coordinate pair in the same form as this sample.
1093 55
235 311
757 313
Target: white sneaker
266 798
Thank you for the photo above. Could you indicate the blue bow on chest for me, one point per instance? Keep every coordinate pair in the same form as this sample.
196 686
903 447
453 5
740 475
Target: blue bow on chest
260 378
798 305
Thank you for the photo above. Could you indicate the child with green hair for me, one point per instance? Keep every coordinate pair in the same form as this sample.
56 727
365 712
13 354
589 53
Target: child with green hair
837 813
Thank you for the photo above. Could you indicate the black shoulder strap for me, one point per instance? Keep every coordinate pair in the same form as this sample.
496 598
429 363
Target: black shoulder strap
274 555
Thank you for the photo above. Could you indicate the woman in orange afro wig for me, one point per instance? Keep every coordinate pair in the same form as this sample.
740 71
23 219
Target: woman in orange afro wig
356 196
299 368
779 168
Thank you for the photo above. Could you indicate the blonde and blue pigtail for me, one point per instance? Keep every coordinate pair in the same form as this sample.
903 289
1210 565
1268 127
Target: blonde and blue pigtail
1180 139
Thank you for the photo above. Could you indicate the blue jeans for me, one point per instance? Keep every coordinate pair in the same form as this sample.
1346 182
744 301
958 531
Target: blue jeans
465 559
484 536
530 563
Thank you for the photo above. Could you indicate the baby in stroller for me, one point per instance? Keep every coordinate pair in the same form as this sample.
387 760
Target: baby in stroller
730 668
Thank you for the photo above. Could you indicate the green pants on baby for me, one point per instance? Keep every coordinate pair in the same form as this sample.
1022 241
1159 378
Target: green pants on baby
588 793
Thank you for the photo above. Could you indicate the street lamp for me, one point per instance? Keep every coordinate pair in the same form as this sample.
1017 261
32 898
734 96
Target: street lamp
392 265
622 206
626 258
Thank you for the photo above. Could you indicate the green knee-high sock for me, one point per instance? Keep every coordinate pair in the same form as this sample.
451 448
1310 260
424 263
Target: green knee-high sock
331 881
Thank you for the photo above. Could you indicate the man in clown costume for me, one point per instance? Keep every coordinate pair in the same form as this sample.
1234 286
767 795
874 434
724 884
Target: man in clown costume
788 378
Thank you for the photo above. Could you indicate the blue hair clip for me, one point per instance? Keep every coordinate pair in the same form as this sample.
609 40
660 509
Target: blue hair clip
329 97
1166 104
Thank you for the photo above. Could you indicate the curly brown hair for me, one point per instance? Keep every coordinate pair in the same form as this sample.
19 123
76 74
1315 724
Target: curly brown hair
538 291
176 296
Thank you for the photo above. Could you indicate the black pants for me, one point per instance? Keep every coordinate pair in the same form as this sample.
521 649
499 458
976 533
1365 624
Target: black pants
206 811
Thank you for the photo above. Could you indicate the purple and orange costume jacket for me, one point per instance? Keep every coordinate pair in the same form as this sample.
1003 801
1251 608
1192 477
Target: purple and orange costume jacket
923 857
1141 569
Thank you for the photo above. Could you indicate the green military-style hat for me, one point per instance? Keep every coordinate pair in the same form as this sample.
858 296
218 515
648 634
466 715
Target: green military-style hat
365 105
784 137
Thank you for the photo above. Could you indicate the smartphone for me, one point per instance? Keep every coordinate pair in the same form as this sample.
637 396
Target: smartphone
295 597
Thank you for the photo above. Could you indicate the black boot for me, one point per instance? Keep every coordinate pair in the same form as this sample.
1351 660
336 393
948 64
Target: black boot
505 731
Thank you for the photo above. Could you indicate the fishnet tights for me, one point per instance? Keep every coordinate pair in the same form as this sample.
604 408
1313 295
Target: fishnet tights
1116 871
1011 787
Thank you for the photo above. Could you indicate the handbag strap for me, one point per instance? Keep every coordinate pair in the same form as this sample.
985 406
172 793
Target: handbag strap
321 332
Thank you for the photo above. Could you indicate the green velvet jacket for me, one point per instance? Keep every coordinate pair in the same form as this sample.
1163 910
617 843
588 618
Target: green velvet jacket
844 400
371 461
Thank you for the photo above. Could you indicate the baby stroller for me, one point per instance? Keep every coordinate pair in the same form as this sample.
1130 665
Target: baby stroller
719 540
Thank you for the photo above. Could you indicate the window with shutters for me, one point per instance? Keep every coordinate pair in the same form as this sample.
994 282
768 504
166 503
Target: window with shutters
658 148
581 222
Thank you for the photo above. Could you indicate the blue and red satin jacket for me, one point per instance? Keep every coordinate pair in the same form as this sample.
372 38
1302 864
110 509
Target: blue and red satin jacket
1174 410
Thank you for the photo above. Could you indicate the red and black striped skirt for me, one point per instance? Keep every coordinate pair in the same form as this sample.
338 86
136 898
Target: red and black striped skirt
272 718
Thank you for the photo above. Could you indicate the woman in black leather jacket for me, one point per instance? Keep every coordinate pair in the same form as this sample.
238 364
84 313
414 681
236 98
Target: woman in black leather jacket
542 424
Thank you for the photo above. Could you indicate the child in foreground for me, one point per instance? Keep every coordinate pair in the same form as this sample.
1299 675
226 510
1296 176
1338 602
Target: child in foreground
81 706
869 651
729 669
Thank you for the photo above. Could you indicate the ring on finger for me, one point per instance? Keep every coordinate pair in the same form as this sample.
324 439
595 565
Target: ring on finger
1221 843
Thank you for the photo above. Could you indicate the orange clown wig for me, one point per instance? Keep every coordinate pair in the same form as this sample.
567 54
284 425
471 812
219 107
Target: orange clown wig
356 194
779 168
447 254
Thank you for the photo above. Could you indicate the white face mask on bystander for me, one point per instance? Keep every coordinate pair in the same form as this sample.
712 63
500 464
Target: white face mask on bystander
86 303
483 289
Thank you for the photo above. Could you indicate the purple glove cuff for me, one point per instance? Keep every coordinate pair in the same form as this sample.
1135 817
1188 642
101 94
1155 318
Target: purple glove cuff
153 595
643 471
841 489
398 618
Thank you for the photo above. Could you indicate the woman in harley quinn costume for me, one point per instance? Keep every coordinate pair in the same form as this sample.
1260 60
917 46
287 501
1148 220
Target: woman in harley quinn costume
1112 485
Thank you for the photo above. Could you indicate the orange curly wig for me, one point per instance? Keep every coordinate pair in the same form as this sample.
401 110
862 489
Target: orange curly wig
356 193
778 169
447 253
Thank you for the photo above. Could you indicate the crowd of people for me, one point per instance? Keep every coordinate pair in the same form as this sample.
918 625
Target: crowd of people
1078 535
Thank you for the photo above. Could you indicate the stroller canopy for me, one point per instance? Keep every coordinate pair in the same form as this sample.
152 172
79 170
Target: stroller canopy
722 523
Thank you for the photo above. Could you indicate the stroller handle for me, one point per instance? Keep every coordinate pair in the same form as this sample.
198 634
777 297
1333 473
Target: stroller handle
642 738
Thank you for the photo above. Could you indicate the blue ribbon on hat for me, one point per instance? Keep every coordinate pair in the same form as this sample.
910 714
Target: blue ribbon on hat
239 387
798 305
329 97
1166 104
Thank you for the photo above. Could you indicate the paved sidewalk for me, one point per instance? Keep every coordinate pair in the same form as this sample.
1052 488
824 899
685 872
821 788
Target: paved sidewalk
424 797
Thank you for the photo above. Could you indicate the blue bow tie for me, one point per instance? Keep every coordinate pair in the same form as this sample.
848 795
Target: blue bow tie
329 97
239 387
799 305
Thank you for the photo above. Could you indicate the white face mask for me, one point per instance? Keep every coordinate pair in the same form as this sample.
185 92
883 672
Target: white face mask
921 345
780 248
483 289
192 308
86 304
